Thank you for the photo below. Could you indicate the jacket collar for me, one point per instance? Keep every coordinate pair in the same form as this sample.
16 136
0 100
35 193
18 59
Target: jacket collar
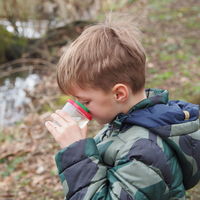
154 96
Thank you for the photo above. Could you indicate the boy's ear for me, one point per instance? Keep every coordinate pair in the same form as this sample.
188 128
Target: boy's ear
121 92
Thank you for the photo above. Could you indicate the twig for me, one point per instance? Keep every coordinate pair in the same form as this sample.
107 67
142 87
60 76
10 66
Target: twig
35 64
27 61
22 69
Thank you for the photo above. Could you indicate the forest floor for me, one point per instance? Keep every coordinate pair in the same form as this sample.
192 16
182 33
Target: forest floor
171 39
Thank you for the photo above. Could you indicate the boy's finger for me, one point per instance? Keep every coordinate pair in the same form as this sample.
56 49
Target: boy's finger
51 128
65 115
59 119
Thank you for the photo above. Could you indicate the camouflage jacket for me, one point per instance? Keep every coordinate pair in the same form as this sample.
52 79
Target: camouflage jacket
150 153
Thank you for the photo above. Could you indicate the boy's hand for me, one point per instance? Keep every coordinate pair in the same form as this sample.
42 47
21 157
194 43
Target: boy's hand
64 129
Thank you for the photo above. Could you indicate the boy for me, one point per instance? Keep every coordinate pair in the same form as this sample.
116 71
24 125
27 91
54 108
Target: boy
149 147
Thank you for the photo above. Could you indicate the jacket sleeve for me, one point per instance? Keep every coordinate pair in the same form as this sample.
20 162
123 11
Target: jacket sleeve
85 176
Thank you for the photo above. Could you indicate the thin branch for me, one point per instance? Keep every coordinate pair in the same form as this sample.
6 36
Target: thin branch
30 65
33 61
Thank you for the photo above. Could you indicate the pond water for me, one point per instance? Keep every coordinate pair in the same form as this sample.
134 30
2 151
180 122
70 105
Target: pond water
13 98
13 91
29 29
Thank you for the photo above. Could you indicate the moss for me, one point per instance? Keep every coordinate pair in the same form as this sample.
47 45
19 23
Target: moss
12 46
5 38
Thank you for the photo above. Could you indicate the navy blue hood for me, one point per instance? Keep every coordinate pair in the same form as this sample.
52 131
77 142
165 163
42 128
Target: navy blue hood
158 114
160 117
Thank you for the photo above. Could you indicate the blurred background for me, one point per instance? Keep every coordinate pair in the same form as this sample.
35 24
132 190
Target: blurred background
34 34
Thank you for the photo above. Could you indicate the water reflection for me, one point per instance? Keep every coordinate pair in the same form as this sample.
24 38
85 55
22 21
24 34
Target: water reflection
29 29
13 98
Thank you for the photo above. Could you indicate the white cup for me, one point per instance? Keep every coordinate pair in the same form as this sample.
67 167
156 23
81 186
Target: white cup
78 112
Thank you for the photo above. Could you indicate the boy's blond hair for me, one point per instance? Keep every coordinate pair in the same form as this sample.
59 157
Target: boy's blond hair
102 56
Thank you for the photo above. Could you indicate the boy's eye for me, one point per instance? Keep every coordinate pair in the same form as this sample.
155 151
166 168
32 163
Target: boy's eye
85 103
